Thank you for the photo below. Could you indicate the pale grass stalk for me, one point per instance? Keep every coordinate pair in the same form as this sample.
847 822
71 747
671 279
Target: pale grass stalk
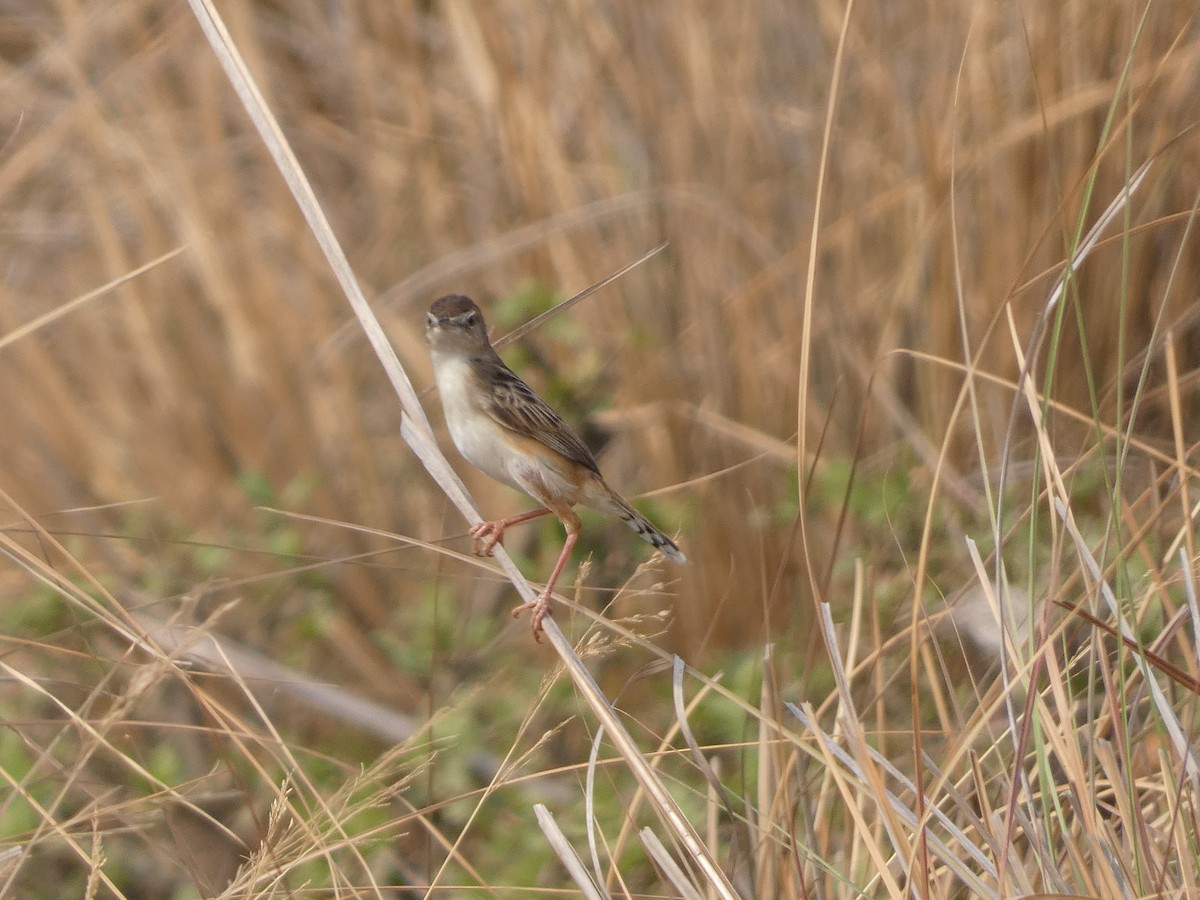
13 857
416 431
1179 819
71 305
1048 843
867 842
884 799
950 857
1114 772
628 824
803 379
766 872
1166 714
961 805
1025 359
856 738
1020 787
934 689
1182 468
1189 586
95 736
854 633
589 812
570 859
320 845
1158 335
537 321
667 865
1002 837
849 728
967 394
1177 418
1181 536
302 837
221 654
482 254
9 855
448 845
683 712
755 439
96 862
1059 408
1063 741
715 801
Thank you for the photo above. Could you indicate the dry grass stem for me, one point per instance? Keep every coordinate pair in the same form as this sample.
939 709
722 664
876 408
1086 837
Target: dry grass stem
913 370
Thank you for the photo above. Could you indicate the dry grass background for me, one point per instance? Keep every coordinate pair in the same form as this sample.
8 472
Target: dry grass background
518 150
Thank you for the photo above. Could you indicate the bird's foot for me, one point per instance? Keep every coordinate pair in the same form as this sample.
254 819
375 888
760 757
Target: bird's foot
486 535
540 608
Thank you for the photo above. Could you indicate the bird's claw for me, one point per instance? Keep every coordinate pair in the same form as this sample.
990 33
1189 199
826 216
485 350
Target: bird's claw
485 536
540 608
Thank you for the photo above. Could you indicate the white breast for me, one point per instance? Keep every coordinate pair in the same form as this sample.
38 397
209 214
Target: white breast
474 433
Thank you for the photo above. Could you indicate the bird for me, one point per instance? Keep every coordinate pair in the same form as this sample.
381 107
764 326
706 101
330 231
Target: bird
508 432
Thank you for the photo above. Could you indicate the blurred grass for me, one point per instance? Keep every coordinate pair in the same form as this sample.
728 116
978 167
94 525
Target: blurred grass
517 153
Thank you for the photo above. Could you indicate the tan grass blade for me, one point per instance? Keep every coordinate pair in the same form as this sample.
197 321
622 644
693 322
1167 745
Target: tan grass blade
1167 715
480 256
537 321
71 305
869 767
1189 588
417 433
846 764
667 865
567 853
810 289
667 740
221 654
9 856
285 160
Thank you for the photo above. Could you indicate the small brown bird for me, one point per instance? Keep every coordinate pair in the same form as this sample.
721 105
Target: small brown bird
504 429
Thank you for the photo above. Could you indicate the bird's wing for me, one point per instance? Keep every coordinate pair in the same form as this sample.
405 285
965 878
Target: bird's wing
513 404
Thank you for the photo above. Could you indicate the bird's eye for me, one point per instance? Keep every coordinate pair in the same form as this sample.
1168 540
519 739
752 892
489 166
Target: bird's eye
469 319
430 319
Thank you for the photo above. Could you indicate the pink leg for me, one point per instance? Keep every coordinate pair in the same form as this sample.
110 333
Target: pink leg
541 606
486 535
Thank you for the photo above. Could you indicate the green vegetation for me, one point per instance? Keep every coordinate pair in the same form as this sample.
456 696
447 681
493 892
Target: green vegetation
244 649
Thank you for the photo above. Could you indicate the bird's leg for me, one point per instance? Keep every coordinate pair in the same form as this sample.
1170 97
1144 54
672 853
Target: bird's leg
486 535
541 606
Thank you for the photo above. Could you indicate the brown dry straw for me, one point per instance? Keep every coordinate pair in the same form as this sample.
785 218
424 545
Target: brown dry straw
416 431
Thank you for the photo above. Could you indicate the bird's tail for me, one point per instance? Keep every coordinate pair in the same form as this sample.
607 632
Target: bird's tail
620 507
